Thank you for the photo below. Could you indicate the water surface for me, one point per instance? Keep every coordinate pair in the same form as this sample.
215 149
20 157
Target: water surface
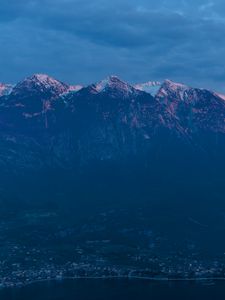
96 289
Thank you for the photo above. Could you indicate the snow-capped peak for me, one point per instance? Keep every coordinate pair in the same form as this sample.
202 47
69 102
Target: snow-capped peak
101 85
113 83
41 77
151 87
40 83
170 87
44 79
174 85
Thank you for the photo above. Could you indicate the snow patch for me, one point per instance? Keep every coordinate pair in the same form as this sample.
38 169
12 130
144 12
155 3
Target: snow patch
150 87
5 89
75 88
220 95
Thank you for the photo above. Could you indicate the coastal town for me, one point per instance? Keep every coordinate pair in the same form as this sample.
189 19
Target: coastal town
38 266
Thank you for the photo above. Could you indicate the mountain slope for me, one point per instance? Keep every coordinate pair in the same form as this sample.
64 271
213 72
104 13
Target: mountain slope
36 91
112 119
27 104
197 109
109 121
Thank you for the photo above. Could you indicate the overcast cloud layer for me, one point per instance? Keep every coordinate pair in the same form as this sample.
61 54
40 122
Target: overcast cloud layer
82 41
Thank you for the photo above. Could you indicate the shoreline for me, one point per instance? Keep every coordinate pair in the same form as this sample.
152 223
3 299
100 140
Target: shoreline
146 278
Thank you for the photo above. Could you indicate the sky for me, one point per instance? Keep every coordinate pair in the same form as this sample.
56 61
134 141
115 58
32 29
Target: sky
83 41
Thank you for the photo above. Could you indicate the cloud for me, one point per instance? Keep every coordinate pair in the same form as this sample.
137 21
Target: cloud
82 41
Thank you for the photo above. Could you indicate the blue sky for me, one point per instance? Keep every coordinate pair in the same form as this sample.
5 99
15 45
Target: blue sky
82 41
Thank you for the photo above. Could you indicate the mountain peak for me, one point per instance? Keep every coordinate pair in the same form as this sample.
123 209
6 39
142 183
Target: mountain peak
44 79
174 84
40 83
40 77
169 87
110 81
113 83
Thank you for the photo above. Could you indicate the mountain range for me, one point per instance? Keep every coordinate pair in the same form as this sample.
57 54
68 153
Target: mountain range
45 122
108 162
